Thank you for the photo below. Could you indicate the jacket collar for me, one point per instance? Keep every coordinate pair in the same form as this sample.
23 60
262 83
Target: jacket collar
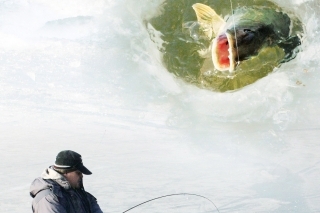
50 173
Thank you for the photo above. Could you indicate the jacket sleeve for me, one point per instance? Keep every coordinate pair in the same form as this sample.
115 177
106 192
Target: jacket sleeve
48 204
95 208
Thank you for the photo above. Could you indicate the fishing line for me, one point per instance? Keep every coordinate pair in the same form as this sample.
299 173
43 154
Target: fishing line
179 194
235 32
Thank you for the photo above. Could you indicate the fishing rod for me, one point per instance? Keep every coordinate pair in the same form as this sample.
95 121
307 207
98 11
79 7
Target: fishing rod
169 195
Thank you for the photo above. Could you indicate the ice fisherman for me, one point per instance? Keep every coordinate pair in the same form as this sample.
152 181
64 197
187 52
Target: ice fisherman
60 187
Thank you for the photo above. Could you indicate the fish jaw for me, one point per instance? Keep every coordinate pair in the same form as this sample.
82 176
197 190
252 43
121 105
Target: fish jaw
223 52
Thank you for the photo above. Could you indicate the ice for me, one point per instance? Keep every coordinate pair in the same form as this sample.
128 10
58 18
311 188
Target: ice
86 76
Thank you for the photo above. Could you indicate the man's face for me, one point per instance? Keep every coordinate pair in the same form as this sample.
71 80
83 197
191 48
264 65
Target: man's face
75 179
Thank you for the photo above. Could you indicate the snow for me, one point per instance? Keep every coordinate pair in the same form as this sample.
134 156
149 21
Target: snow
86 77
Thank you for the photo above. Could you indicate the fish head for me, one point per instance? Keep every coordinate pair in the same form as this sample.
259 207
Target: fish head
239 42
243 34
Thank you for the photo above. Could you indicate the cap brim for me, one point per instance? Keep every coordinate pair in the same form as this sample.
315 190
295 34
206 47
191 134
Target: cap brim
84 169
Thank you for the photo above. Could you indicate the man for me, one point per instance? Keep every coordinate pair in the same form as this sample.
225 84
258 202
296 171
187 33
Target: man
60 187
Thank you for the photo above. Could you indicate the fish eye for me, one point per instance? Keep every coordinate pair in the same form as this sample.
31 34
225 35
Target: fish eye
247 36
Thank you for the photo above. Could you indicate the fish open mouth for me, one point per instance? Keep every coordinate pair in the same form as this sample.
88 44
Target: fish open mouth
223 53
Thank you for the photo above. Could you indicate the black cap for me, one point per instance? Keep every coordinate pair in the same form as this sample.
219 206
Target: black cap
70 160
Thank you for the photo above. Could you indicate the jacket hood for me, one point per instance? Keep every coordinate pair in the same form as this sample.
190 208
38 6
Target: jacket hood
44 182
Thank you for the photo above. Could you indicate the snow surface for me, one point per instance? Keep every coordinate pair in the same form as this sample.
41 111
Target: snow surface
84 75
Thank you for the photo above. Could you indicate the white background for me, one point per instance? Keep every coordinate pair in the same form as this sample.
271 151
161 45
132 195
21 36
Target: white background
84 75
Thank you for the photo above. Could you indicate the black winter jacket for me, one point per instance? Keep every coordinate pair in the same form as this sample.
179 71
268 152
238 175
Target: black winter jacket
52 193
